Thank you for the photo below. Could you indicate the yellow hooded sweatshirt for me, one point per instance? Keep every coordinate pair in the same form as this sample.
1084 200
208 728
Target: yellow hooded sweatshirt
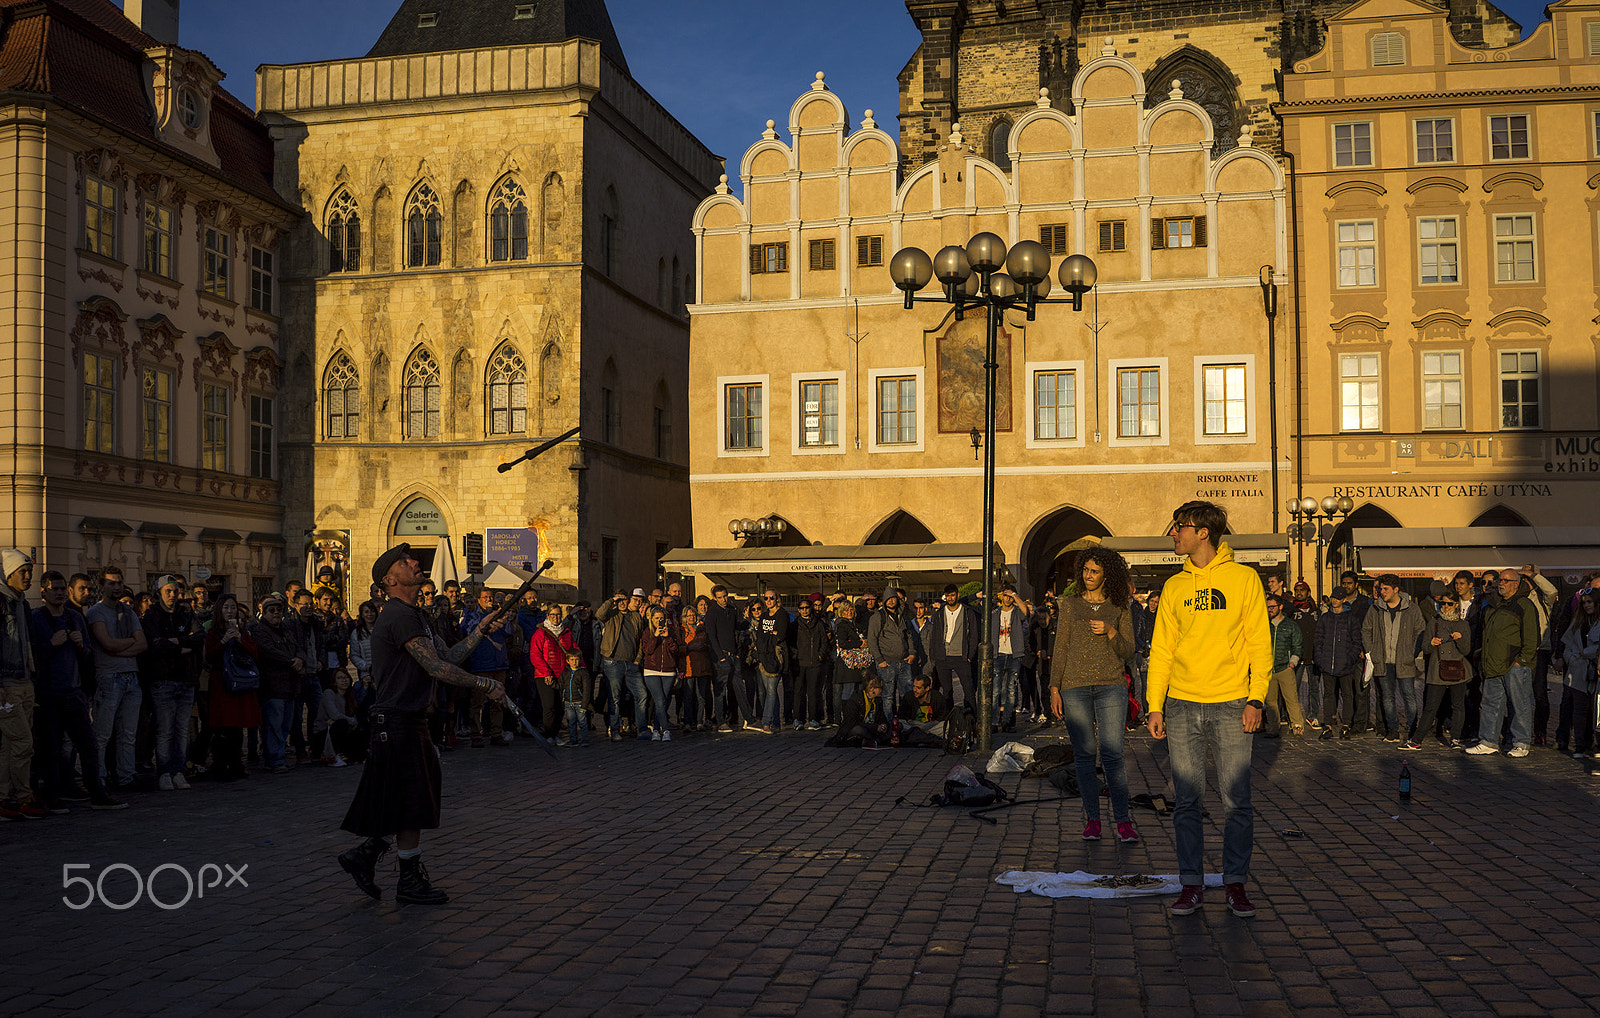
1212 640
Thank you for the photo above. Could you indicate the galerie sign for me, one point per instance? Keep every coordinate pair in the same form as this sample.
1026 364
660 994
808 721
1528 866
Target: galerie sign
421 518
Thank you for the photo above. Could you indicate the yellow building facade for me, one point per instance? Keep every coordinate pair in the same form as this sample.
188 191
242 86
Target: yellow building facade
494 255
1447 211
820 400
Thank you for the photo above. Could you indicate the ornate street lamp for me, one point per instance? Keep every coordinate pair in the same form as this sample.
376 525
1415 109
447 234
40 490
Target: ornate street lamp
1313 523
971 278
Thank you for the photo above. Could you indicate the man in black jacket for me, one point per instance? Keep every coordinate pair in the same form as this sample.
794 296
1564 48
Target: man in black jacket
1338 655
282 672
951 642
813 645
722 633
770 639
166 670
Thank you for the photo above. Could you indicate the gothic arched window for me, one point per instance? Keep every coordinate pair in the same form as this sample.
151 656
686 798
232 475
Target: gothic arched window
1000 144
508 222
422 396
508 393
341 396
424 227
344 233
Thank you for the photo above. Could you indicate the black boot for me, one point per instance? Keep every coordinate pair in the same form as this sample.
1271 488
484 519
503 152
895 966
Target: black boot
361 863
414 888
1327 733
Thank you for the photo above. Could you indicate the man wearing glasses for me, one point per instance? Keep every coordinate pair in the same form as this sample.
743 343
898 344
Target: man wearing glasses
1510 647
1210 662
771 638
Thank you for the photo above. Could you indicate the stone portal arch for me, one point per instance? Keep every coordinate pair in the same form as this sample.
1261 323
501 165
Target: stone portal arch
1051 543
1341 545
900 527
1206 81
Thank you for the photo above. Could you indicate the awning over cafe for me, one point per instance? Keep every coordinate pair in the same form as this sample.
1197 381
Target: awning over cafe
852 568
497 576
1156 552
1440 552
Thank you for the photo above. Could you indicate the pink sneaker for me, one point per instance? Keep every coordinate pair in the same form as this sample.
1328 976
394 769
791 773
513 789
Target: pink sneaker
1091 831
1126 833
1188 902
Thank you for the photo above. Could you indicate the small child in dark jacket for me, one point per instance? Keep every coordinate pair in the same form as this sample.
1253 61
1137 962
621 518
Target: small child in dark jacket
576 689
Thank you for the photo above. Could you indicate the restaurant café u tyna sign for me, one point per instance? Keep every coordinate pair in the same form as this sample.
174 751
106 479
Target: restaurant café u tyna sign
420 518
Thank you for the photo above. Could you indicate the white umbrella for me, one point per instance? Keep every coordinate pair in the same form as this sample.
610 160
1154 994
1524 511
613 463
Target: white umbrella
444 564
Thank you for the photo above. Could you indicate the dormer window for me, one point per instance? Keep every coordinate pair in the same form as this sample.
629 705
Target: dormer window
189 109
523 12
1388 49
428 20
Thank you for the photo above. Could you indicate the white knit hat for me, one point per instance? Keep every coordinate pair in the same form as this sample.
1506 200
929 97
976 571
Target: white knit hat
12 559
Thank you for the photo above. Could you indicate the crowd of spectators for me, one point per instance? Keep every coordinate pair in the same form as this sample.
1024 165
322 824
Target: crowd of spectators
105 690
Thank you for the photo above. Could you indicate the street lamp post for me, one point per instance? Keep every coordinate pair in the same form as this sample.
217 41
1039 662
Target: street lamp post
758 531
971 278
1313 524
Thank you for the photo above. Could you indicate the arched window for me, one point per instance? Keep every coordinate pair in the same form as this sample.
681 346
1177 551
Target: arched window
508 393
508 222
1000 144
424 227
422 396
344 233
341 391
661 421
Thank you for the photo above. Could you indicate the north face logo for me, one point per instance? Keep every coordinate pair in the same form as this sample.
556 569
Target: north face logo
1207 601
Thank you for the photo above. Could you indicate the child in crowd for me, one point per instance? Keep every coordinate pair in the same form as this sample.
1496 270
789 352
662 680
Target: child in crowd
576 689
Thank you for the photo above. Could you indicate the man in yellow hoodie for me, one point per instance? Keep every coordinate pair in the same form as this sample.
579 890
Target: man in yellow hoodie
1210 661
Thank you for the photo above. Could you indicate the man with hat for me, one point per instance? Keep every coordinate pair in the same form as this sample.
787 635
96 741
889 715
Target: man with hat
17 672
400 783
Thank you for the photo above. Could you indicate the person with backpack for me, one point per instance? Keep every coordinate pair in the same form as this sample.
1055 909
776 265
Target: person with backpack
1094 636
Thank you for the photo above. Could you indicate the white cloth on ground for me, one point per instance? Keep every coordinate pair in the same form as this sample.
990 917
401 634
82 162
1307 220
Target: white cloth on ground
1081 884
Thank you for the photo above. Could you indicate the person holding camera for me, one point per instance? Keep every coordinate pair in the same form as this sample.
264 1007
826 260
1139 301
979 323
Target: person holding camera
659 651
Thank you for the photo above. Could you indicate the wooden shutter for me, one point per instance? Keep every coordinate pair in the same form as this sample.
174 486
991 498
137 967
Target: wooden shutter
755 259
1199 231
875 250
1105 236
1112 236
1158 234
783 257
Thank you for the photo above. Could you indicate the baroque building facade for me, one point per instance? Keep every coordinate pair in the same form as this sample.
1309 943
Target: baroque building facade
142 300
828 405
493 255
1448 244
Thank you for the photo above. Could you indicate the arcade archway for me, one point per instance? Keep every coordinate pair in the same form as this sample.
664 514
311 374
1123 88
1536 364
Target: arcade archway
1051 544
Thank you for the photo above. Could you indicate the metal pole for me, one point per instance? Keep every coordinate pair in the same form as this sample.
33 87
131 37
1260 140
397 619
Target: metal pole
991 371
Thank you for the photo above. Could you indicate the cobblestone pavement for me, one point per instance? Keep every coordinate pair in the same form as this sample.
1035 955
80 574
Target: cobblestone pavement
760 875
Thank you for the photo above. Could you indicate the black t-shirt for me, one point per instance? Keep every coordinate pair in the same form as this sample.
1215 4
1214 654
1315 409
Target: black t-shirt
402 684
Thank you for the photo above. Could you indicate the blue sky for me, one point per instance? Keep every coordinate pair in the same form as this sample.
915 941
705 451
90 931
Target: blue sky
722 68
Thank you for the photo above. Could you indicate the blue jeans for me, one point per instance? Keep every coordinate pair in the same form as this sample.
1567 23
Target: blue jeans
1517 684
1390 683
730 677
116 709
276 716
771 707
578 723
618 672
1192 729
174 702
1084 709
659 687
1139 668
1007 688
896 678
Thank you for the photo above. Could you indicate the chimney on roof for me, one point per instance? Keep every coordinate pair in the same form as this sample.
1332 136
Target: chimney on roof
155 18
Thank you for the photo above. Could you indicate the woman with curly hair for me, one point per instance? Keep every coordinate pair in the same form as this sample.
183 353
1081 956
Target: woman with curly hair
1094 636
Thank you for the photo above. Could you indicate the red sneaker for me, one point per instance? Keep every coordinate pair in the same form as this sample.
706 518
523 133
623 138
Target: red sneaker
1091 831
31 809
1188 902
1238 904
1125 832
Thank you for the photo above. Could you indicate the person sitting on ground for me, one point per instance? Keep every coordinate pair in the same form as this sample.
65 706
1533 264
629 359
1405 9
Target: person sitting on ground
862 720
923 712
336 729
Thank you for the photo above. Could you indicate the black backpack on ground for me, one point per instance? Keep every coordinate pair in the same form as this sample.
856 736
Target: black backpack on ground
960 730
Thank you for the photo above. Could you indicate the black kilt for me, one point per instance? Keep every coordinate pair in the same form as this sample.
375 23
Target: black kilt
400 782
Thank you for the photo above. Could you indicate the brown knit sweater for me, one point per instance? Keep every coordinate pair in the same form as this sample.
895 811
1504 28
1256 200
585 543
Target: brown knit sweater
1082 658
